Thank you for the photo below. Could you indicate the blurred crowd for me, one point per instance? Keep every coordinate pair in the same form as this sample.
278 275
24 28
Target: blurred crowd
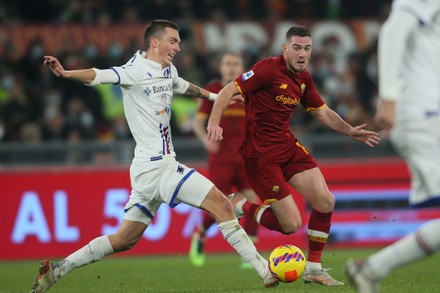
35 106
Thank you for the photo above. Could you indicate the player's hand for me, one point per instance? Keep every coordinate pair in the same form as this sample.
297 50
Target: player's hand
370 138
55 66
237 99
215 133
212 148
385 116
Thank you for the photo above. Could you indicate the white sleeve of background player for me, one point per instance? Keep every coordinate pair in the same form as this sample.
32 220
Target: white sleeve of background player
423 10
180 85
392 44
103 76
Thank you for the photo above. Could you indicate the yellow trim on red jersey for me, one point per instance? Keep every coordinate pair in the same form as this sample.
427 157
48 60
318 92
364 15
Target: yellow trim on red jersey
234 112
202 115
238 87
313 109
270 200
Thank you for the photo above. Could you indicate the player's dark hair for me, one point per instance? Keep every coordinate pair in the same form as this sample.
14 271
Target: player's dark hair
298 30
156 28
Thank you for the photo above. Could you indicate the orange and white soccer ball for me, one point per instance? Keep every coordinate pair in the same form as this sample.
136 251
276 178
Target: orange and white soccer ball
287 263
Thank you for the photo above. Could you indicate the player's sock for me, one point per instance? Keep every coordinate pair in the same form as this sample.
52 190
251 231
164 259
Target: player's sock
237 238
250 226
207 221
263 214
92 252
414 246
319 227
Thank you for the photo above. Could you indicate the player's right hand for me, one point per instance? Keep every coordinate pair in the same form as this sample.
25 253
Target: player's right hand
55 66
215 133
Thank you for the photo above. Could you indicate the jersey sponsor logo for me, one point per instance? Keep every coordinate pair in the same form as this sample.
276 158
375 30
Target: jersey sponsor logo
276 189
303 87
283 86
162 88
287 100
245 76
167 109
147 91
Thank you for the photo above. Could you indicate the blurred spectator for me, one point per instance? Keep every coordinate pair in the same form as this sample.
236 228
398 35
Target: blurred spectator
73 112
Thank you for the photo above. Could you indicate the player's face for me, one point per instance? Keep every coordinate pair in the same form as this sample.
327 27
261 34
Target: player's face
168 46
297 53
231 66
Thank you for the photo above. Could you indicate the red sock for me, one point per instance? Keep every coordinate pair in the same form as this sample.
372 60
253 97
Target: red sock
319 227
263 214
207 221
250 226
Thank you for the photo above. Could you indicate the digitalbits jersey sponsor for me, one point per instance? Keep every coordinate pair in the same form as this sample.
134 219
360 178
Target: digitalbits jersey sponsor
420 70
147 90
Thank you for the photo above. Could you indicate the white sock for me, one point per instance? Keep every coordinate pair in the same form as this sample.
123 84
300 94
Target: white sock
92 252
239 205
237 238
312 266
414 246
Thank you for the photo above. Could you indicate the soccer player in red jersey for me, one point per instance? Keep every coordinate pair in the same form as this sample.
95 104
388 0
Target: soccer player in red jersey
225 163
274 158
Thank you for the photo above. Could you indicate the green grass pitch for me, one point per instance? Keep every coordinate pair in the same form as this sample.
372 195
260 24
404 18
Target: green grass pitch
221 273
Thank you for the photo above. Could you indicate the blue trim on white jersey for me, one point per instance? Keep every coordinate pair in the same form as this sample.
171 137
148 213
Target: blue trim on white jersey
144 210
134 58
435 201
414 13
163 138
176 191
119 77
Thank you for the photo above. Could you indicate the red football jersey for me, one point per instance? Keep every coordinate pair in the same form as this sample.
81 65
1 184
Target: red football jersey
233 127
271 93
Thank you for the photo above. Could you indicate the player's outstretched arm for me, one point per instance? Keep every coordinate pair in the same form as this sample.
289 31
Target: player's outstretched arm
198 92
331 119
215 132
84 76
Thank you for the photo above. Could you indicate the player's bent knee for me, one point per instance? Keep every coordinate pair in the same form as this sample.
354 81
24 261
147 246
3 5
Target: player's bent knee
218 205
291 228
325 204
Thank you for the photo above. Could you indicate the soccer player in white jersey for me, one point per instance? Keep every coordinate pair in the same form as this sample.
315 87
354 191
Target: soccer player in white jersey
148 81
409 111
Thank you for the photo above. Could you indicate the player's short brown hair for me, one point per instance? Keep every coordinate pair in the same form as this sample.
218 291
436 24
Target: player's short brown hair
156 29
298 30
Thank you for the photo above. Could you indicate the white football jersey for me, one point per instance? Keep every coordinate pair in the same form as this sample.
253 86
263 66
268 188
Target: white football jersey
147 90
420 69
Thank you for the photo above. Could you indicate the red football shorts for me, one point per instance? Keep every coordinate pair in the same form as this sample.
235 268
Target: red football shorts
227 175
268 176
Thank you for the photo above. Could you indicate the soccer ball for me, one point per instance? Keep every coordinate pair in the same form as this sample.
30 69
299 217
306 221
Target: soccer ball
287 263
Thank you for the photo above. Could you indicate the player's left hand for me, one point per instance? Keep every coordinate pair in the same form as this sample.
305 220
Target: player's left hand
215 133
370 138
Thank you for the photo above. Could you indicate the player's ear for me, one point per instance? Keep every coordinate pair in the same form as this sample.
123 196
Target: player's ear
284 47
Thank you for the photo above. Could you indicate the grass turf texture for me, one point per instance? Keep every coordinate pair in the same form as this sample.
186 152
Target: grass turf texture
221 273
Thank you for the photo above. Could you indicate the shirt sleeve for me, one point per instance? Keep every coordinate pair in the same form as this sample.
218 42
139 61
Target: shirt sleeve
128 74
423 10
256 78
180 85
311 100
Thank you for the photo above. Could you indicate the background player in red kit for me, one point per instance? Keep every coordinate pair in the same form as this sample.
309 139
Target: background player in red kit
225 163
274 158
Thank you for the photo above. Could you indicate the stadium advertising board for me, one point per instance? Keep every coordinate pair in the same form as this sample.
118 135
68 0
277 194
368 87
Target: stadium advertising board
51 212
